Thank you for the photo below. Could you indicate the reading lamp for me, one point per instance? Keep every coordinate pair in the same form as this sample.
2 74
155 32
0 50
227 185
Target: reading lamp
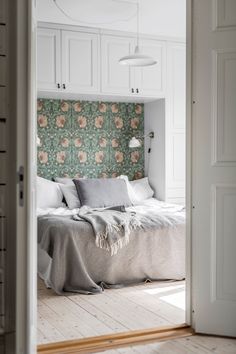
135 142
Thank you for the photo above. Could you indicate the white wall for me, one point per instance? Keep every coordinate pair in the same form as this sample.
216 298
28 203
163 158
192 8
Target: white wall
157 17
155 161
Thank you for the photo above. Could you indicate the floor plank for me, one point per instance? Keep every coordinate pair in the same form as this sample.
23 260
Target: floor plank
191 345
115 310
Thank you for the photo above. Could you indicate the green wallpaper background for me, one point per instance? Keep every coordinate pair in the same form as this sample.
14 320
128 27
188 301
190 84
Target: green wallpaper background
89 139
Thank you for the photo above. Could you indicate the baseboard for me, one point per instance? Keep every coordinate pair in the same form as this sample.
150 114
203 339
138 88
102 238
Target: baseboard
112 341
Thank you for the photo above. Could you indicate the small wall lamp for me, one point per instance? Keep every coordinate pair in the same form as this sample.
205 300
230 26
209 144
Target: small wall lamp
135 142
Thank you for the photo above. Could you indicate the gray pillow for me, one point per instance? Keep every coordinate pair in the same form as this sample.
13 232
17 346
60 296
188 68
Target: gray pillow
64 180
102 192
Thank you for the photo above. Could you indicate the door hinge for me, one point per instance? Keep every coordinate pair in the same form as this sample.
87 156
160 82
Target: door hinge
21 185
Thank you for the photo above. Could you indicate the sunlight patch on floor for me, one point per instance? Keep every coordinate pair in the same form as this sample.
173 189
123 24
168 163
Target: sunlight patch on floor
163 289
177 300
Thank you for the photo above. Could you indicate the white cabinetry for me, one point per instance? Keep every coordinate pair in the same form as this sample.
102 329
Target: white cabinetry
175 122
80 62
67 61
151 80
166 117
48 59
116 78
133 81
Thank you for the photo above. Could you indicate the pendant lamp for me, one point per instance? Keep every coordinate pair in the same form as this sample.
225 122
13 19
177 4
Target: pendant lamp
138 58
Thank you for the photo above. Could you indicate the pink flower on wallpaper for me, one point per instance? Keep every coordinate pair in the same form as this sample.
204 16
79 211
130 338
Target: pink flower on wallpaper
65 142
60 121
114 108
135 156
64 106
134 123
103 175
82 156
138 109
99 156
102 107
61 156
43 157
138 175
99 122
78 175
39 105
77 107
119 156
82 121
115 143
103 142
42 121
78 142
119 122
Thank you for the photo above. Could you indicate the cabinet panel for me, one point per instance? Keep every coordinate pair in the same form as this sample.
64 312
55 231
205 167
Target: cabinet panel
177 84
150 80
48 59
116 78
80 62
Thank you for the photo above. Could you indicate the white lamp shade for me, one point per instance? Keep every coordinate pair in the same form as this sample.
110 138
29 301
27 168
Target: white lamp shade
137 59
134 143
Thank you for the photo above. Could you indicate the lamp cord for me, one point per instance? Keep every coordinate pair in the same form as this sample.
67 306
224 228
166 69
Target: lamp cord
149 154
100 23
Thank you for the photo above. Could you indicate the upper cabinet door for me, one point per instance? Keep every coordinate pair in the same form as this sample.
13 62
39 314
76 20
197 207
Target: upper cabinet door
48 59
116 78
150 80
80 62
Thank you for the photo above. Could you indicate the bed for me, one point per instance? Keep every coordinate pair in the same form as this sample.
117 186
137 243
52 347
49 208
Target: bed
70 261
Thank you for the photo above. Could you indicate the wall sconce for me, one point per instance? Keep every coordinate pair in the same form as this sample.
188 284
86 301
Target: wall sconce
135 142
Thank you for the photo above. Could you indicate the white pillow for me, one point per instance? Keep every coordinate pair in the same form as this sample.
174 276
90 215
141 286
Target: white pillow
141 189
71 196
64 180
49 194
129 189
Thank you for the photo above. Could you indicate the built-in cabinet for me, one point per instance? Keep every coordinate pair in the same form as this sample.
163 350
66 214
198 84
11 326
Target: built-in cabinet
165 165
67 61
73 61
117 78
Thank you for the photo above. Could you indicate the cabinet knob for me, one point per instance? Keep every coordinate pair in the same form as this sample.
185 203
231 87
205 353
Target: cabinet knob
58 86
64 86
132 90
137 90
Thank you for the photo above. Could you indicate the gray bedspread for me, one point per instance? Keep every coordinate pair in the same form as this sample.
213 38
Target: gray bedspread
78 265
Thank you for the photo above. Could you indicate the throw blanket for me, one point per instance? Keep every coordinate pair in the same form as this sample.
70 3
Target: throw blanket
111 227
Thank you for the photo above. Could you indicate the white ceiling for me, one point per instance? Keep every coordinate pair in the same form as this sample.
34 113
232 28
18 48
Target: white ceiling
157 17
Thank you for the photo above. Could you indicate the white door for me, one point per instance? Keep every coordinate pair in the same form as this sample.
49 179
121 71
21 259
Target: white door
48 59
116 78
80 62
150 80
214 166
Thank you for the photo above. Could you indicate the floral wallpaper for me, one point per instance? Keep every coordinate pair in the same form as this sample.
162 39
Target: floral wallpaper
89 139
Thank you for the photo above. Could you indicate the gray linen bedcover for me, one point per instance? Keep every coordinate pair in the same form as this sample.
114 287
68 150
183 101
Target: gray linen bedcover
78 265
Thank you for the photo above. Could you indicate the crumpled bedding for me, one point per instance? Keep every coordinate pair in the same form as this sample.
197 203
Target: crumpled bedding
76 264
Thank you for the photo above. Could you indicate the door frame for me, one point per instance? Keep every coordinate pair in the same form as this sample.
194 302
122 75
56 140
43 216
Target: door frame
134 337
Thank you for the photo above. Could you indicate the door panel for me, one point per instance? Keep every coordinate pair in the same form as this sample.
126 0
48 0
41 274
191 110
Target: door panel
116 78
80 62
48 58
150 80
214 168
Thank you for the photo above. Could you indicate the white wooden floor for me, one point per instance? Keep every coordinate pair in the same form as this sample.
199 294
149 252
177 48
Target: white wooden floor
116 310
194 344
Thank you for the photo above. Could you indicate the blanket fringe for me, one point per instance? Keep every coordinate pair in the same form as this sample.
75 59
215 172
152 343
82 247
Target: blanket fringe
102 238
